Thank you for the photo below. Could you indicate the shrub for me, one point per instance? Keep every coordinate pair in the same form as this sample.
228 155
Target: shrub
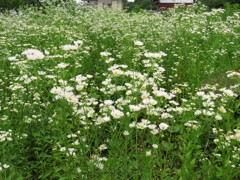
218 3
15 4
138 5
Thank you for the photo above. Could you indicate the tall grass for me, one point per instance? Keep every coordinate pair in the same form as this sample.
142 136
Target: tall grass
102 94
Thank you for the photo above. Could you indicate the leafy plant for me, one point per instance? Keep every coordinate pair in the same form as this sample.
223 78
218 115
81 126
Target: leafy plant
218 3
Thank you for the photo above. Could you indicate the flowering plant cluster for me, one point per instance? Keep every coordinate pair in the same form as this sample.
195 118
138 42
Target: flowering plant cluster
89 93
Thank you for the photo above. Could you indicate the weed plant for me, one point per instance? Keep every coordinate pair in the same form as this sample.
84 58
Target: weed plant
103 94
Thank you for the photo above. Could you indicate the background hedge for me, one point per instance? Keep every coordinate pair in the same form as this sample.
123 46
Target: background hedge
15 4
137 5
218 3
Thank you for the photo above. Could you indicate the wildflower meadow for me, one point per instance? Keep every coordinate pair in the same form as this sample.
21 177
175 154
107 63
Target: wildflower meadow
106 94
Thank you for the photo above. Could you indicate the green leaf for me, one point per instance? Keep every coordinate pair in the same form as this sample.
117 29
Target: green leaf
168 146
174 129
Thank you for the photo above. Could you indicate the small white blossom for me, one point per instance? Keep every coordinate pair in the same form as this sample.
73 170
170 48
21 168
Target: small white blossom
163 126
62 65
218 117
62 149
132 125
125 133
148 153
198 112
105 54
102 147
69 47
155 55
33 54
137 43
116 114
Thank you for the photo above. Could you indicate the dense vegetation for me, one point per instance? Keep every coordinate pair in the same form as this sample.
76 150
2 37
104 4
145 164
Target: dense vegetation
131 5
219 3
15 4
88 93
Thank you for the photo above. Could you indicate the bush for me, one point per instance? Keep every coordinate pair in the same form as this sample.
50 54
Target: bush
138 5
218 3
15 4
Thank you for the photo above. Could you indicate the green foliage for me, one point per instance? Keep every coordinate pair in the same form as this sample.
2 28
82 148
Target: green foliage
87 93
139 5
11 4
15 4
218 3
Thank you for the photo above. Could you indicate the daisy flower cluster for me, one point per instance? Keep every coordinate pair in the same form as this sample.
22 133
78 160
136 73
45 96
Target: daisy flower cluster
88 93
